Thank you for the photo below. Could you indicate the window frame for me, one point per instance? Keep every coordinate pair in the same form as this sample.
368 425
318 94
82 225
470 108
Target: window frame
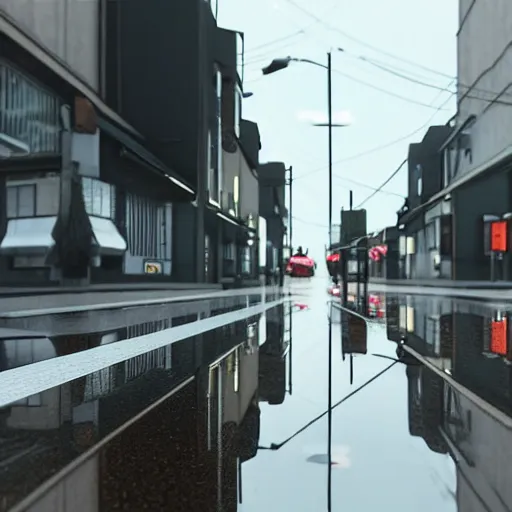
237 111
17 188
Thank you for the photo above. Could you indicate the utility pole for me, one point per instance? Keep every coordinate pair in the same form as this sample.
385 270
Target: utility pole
290 209
329 111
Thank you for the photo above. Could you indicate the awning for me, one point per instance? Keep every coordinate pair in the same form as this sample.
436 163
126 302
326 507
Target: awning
28 236
139 153
107 239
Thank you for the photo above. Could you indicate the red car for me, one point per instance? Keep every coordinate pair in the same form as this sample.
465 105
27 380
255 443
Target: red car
301 266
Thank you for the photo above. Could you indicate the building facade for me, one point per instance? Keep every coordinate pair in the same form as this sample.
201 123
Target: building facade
192 117
272 179
475 183
160 189
425 226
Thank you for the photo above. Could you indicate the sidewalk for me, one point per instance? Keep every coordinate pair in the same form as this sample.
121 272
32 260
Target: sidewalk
489 295
21 291
445 283
62 303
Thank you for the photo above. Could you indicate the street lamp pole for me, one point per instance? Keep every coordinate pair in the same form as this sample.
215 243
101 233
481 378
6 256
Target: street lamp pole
329 113
282 63
290 209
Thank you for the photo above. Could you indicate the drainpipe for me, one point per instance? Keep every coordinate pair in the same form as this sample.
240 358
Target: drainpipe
201 155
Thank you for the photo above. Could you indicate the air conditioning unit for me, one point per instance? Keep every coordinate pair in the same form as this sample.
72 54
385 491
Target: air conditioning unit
9 147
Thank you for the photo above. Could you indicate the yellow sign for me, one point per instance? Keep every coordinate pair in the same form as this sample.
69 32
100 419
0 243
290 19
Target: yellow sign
152 267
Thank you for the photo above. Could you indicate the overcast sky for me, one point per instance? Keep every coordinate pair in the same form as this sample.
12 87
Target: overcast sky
387 111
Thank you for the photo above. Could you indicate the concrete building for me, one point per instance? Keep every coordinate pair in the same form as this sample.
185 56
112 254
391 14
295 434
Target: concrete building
475 172
76 179
425 228
100 186
192 117
272 181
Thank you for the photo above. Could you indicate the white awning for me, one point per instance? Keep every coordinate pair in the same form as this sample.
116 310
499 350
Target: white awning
107 238
31 236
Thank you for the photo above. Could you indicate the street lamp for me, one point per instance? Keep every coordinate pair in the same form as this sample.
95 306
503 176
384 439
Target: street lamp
278 65
282 63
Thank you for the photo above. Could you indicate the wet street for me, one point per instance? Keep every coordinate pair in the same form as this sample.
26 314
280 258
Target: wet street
222 404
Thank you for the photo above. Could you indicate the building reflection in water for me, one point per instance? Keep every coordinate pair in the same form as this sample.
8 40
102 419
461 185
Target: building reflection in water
186 453
274 364
464 409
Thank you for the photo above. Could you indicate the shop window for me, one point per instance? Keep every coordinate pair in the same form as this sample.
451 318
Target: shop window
21 201
148 228
99 198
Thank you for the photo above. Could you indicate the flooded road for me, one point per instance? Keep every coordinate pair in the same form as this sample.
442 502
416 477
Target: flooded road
235 416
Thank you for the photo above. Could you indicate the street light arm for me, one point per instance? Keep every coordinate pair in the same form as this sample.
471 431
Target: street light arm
313 62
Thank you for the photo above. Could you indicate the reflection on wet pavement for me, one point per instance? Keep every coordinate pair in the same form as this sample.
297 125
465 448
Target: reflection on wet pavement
236 417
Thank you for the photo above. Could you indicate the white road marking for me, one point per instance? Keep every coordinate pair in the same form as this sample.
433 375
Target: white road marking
29 380
127 304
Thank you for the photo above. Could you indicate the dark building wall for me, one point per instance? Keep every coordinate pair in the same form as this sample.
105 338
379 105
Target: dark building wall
184 254
392 257
154 68
425 161
489 195
433 160
414 156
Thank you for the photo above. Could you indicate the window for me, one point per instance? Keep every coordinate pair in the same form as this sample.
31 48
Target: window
29 401
419 176
445 248
229 251
99 198
432 334
21 201
247 260
237 111
240 56
218 141
206 257
446 167
148 227
28 113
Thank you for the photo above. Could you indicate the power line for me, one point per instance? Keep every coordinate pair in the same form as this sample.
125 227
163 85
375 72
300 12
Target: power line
391 176
309 223
430 85
364 43
362 82
380 147
300 32
364 185
384 91
293 35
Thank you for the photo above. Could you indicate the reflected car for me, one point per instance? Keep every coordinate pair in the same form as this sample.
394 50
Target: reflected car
301 266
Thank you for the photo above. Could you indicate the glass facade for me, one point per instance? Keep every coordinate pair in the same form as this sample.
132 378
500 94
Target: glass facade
29 115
